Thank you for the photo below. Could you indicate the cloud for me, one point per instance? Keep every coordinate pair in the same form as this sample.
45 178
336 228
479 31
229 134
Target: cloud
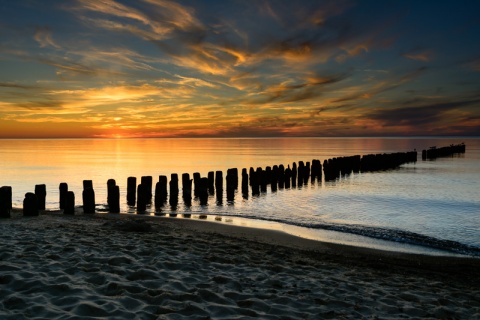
419 116
43 35
425 56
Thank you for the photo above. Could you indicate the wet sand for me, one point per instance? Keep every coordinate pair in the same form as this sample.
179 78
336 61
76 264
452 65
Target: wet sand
123 266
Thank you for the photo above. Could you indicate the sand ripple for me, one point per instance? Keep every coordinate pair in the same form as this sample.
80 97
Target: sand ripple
60 267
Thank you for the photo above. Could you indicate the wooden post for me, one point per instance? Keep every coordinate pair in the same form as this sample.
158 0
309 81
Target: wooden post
113 196
294 175
233 173
63 190
5 202
147 181
30 205
196 183
187 189
88 196
244 183
70 204
211 182
162 191
41 193
288 177
174 190
87 184
141 199
131 190
203 191
306 172
281 176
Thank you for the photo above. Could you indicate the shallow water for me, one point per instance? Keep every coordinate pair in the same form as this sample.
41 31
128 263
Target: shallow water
428 203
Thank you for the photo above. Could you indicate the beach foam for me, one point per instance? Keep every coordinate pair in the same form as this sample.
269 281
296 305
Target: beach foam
119 266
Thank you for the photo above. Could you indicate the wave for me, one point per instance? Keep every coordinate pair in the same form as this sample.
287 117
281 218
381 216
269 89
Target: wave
382 233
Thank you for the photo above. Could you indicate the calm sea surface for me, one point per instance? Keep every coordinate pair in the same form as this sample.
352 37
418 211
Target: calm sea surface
428 204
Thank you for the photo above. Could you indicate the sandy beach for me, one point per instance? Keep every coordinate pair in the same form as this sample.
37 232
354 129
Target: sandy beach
137 267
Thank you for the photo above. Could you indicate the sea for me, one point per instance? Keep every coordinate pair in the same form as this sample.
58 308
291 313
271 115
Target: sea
427 207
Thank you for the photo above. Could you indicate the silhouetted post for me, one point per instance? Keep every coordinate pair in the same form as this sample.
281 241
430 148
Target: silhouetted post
174 190
113 197
316 170
294 175
163 193
141 199
5 202
300 172
87 184
274 178
306 172
30 205
203 191
70 204
147 181
281 176
268 174
244 183
233 173
63 191
254 182
88 196
211 182
196 183
187 189
262 179
131 190
288 177
41 193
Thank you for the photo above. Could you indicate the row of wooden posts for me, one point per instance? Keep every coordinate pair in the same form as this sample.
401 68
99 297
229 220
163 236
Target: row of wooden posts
141 195
448 151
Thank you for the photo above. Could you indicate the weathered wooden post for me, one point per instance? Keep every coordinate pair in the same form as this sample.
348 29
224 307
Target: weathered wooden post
196 183
30 205
281 176
233 173
211 182
147 181
41 193
262 179
300 173
187 189
141 199
203 191
131 190
254 182
70 204
288 177
174 190
244 183
274 178
4 202
306 172
113 196
294 175
63 191
162 189
88 196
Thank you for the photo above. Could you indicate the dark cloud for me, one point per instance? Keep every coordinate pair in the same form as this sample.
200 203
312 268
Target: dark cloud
15 85
426 115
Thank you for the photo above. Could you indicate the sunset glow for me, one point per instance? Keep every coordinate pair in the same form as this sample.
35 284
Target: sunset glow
158 68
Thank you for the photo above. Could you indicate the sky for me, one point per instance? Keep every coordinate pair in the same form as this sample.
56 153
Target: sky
255 68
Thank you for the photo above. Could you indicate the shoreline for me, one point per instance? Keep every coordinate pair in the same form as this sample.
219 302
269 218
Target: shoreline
122 266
